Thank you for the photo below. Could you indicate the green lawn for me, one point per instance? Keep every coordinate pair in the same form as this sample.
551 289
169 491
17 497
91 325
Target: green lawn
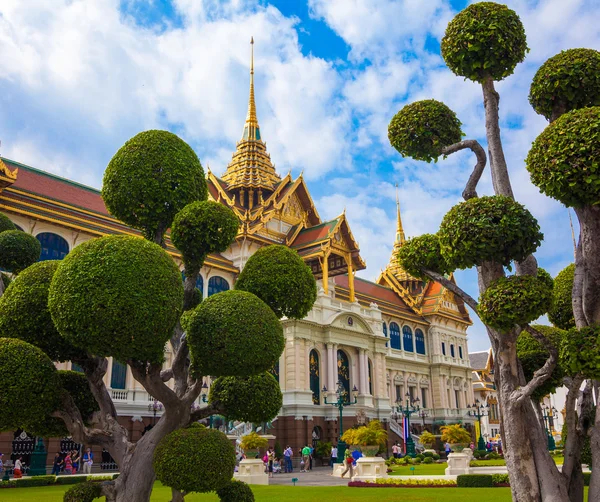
419 470
294 494
558 460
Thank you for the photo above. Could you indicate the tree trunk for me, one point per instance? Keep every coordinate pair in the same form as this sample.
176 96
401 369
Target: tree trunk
177 496
589 221
594 492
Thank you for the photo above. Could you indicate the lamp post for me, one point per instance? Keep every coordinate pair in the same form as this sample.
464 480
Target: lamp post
423 414
548 414
411 406
478 409
204 397
155 406
341 403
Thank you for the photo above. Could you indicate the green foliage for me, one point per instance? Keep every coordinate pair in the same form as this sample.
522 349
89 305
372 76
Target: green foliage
428 460
29 382
545 277
6 280
71 480
455 434
18 250
281 279
581 352
427 438
485 39
236 491
489 228
323 449
234 333
6 224
561 312
150 179
255 398
514 300
253 441
83 492
422 129
117 296
564 160
500 479
28 482
474 481
279 450
532 355
24 312
194 459
372 434
423 252
203 227
568 81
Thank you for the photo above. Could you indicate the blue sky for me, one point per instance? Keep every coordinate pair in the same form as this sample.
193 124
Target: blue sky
78 78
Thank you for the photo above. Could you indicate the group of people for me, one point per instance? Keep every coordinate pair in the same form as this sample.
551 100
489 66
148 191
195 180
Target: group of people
18 469
71 462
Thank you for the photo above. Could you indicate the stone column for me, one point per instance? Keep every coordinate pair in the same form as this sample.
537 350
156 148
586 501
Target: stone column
335 370
361 371
330 367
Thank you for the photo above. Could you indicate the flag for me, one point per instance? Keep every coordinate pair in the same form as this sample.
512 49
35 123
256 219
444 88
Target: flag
477 432
406 431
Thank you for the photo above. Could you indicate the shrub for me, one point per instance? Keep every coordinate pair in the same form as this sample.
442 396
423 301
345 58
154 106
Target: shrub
6 223
514 300
150 179
561 312
500 479
203 227
484 39
255 398
195 459
234 333
580 351
397 481
474 481
436 456
428 460
428 454
24 312
564 160
71 480
423 252
83 492
18 250
253 441
567 81
587 476
422 129
494 228
117 296
32 481
236 491
281 279
455 434
479 453
420 456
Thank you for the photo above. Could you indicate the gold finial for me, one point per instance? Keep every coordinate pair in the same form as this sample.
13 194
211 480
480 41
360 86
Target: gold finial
400 239
251 128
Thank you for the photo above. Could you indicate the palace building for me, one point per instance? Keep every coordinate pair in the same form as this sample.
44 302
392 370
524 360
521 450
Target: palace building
390 338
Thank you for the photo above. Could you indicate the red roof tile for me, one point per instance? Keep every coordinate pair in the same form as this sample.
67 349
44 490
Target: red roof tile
314 234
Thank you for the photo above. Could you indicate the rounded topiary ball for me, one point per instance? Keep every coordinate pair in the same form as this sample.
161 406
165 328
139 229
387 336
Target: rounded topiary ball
29 382
234 333
150 179
18 250
236 491
423 252
533 355
117 296
281 279
565 82
203 227
581 352
492 228
24 312
6 224
484 39
561 312
422 129
195 459
545 277
83 492
564 160
253 399
514 300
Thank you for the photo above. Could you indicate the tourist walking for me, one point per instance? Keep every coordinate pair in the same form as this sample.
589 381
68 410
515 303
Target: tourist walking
287 455
334 453
349 461
57 464
447 449
270 460
75 460
88 461
18 470
306 457
395 450
68 464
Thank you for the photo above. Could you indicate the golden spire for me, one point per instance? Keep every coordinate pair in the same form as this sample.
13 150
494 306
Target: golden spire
400 239
251 128
394 267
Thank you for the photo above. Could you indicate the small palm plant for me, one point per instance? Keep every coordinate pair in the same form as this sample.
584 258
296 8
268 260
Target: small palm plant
458 437
368 437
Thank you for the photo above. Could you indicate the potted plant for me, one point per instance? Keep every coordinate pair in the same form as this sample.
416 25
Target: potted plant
367 437
252 443
427 439
457 437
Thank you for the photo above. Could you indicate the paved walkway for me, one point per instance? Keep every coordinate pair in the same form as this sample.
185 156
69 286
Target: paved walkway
319 476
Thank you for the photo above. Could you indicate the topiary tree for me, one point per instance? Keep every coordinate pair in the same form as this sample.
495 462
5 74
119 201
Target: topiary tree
18 250
236 491
423 252
83 492
275 272
561 312
123 297
6 223
194 459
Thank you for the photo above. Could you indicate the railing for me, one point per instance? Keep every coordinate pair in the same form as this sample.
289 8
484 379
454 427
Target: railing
119 395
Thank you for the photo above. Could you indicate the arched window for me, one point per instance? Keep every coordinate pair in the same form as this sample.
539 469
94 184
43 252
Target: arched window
313 360
385 332
199 283
395 336
419 341
408 339
443 348
460 352
54 247
452 350
370 377
217 285
119 375
344 373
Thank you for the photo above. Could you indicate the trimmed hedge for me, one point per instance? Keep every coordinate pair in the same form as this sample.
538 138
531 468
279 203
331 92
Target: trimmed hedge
152 177
561 312
28 482
423 252
500 479
236 491
6 223
72 479
281 279
474 481
83 492
117 296
18 250
234 333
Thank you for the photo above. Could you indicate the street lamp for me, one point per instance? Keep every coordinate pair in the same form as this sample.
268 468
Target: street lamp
340 403
155 406
423 414
411 406
478 409
204 397
548 414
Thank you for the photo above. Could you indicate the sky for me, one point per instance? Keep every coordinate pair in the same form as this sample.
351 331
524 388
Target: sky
78 78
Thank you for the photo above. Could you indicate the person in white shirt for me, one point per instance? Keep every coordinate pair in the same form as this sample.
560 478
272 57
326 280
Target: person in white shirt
334 453
395 450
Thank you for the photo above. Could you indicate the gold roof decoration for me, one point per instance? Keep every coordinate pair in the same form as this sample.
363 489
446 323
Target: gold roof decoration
251 166
7 177
393 266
